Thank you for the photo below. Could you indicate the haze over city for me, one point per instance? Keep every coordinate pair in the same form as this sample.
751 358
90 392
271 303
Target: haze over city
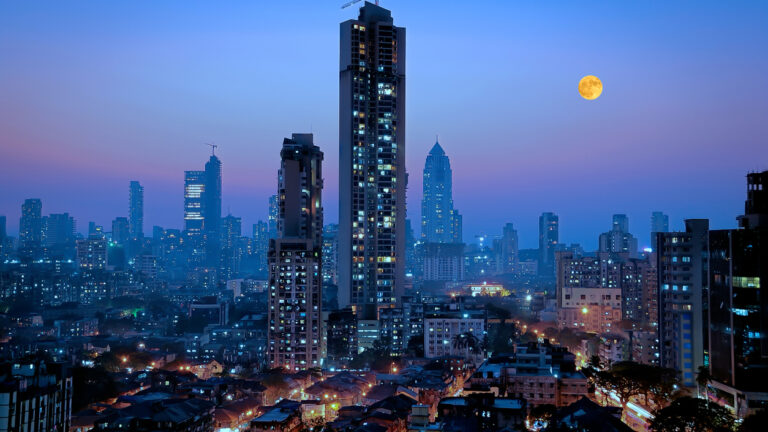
383 216
100 93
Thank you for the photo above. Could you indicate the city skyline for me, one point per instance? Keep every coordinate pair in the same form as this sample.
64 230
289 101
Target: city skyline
605 316
542 86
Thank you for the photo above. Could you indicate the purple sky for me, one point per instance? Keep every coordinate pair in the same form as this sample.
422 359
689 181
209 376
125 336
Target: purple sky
95 95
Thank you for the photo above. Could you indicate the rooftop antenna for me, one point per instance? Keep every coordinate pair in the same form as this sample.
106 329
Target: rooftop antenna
213 148
350 3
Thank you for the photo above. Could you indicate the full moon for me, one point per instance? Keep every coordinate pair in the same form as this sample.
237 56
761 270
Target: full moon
590 87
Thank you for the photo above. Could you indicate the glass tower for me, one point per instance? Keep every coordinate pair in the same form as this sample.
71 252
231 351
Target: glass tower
437 212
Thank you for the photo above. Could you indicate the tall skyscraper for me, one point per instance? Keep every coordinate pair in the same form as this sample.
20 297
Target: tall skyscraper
212 211
738 330
194 187
682 267
437 212
136 210
548 238
659 223
31 223
295 258
372 177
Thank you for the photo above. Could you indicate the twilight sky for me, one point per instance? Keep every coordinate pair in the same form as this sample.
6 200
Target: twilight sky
94 94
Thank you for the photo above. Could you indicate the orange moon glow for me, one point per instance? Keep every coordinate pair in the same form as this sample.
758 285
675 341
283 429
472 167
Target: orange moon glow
590 87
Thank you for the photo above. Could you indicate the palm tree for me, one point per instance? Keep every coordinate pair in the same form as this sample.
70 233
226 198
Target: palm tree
466 340
703 379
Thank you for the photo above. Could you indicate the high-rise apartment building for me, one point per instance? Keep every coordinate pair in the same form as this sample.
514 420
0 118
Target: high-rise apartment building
31 223
92 253
437 212
548 240
136 210
372 177
589 292
35 396
738 329
443 262
682 266
295 261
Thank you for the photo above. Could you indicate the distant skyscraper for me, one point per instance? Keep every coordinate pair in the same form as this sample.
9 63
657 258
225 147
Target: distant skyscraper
274 213
136 210
618 240
295 258
659 223
231 251
3 232
31 223
548 239
509 250
120 230
59 229
458 226
682 267
437 212
194 187
372 176
232 230
261 244
330 254
212 211
738 330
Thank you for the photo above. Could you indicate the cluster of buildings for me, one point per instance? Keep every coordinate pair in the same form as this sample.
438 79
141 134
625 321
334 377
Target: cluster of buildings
206 329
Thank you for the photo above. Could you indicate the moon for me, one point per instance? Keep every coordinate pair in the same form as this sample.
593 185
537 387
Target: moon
590 87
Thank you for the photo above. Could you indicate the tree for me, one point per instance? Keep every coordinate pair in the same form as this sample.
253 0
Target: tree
661 383
703 379
622 380
541 415
755 422
91 385
689 414
595 363
467 341
501 337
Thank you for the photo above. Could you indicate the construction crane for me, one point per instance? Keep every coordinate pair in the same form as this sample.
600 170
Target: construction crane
348 4
213 148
